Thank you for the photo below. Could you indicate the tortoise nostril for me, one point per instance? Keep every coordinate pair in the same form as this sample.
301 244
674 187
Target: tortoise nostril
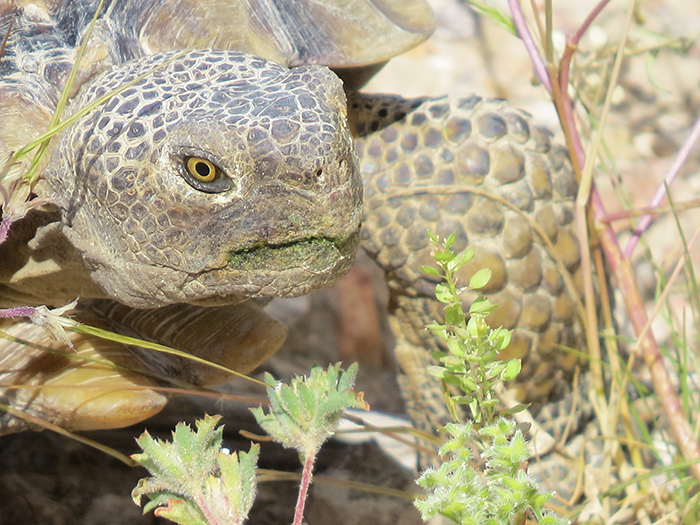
319 173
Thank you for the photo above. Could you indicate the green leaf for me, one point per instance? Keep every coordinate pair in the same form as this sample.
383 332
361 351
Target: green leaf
480 279
498 16
469 385
454 315
450 240
182 512
460 332
515 409
453 265
271 381
346 381
455 346
467 255
238 477
437 355
495 368
451 360
306 412
443 256
443 294
512 370
433 238
182 466
436 327
451 379
436 371
502 340
430 270
480 306
489 403
473 327
490 355
193 478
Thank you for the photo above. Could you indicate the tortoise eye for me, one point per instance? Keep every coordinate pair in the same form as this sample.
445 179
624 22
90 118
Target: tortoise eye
201 169
203 175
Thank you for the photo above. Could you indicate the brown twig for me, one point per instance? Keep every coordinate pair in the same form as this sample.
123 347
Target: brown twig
7 36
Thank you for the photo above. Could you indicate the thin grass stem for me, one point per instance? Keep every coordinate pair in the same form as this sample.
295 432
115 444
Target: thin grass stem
678 162
529 42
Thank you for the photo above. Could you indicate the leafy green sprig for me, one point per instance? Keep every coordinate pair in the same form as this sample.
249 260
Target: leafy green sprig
499 492
471 363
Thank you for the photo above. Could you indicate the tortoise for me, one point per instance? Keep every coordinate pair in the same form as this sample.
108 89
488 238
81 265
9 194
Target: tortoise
232 170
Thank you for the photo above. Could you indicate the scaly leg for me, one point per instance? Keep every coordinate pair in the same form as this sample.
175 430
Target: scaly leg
487 173
101 384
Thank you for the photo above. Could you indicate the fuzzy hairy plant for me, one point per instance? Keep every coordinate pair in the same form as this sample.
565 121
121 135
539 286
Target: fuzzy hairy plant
194 481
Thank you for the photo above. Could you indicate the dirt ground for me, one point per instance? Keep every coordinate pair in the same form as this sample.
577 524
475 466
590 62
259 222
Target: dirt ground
51 480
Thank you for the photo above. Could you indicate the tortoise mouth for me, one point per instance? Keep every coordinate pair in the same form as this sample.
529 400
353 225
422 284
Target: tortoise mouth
318 254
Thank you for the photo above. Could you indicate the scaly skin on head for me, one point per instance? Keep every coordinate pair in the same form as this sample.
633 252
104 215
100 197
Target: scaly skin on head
152 234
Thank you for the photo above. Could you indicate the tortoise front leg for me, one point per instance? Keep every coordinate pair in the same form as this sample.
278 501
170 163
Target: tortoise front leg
87 387
487 173
100 384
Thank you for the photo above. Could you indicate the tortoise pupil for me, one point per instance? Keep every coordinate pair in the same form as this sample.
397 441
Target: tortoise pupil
202 169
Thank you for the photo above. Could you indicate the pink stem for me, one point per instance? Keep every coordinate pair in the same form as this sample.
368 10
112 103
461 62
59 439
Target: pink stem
526 36
678 162
589 20
572 45
620 265
18 311
306 474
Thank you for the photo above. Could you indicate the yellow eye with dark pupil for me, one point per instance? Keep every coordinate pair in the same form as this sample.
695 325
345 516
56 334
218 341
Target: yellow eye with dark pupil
201 169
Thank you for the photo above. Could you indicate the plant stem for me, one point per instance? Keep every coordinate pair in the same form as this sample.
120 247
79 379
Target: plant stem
678 162
208 514
617 262
526 37
17 311
306 474
4 229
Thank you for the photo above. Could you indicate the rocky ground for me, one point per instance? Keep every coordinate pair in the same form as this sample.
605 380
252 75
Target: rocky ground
52 480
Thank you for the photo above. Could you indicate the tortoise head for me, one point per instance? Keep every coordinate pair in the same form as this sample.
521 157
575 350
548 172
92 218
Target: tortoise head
215 178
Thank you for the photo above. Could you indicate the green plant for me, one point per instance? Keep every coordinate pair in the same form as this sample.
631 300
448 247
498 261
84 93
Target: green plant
499 491
194 481
304 414
471 365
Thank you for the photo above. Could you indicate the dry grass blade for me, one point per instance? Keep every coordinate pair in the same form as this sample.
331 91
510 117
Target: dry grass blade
127 340
182 387
267 475
48 426
63 99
